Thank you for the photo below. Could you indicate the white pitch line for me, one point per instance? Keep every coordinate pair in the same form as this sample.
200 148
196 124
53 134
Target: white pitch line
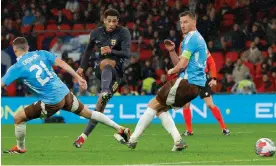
215 161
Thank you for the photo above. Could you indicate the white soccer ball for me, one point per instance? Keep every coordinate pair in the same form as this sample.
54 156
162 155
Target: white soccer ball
265 147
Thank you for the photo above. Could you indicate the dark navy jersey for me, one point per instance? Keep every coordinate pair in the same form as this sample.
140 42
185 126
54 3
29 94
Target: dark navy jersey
119 41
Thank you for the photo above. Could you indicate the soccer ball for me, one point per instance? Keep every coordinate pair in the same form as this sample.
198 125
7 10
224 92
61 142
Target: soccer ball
265 147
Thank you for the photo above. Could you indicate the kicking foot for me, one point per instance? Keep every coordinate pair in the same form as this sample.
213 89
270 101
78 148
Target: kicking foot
79 142
15 150
226 132
179 146
188 133
132 145
123 135
106 95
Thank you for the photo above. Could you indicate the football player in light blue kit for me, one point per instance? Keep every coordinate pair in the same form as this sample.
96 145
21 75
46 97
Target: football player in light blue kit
35 70
180 91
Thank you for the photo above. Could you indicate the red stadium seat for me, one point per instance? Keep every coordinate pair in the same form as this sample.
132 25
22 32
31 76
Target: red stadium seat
146 41
159 72
90 26
63 27
162 46
130 25
185 2
219 59
265 53
232 55
39 41
145 54
38 28
228 16
247 44
251 68
133 47
77 27
26 29
67 14
51 28
53 42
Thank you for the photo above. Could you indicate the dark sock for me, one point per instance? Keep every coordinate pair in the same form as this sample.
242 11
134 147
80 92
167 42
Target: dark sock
90 126
106 78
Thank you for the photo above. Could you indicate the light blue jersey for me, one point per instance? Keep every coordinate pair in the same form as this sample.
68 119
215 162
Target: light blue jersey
194 48
35 70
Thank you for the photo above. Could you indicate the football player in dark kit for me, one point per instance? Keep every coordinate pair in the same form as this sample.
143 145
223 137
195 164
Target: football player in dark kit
114 42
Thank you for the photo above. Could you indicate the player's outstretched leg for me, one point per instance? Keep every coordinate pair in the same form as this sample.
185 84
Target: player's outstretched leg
100 106
100 117
169 125
91 124
188 120
20 119
216 113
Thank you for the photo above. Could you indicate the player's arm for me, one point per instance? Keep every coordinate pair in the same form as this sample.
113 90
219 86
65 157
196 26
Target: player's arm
13 73
88 51
170 46
71 71
125 45
183 62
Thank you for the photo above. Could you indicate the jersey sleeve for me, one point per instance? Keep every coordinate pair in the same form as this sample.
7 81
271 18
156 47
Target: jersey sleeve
50 57
13 73
189 46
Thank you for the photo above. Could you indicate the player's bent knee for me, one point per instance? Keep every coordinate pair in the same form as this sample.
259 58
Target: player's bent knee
19 117
107 63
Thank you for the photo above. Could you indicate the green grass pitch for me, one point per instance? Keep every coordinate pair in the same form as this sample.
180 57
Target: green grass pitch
49 144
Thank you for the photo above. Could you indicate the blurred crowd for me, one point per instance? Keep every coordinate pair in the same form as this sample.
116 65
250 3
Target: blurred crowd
240 34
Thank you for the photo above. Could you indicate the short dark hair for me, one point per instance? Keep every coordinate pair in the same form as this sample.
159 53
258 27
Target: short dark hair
20 43
188 13
111 12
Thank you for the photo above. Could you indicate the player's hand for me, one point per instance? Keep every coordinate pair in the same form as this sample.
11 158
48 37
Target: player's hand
169 45
80 72
212 83
82 83
105 50
171 71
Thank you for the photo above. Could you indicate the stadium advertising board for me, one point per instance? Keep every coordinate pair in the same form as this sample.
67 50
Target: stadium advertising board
259 108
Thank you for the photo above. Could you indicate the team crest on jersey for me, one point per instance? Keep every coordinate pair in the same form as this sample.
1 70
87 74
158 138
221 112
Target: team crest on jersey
113 42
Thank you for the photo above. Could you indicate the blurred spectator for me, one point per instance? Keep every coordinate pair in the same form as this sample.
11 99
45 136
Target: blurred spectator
271 32
266 85
245 86
45 11
147 70
76 19
28 18
60 18
238 38
259 45
39 19
157 85
148 32
211 46
253 54
73 6
174 37
135 32
271 55
239 71
227 83
227 67
133 71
